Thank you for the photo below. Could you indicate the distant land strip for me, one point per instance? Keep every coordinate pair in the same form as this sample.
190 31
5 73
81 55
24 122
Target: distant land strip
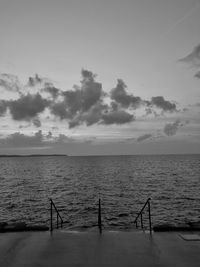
34 155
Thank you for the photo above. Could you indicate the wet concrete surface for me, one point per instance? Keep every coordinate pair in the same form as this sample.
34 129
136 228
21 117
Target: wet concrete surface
111 248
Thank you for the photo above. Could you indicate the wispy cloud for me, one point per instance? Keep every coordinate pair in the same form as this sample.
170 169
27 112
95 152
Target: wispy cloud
193 59
172 128
144 137
38 139
10 82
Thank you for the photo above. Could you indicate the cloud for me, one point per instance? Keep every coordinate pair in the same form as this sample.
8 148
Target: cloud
33 81
163 104
3 107
144 137
197 75
20 140
117 117
85 104
172 128
85 96
90 117
52 90
120 95
37 122
10 82
102 114
27 106
59 109
193 58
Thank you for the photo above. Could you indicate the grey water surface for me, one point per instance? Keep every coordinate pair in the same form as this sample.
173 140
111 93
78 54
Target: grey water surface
122 182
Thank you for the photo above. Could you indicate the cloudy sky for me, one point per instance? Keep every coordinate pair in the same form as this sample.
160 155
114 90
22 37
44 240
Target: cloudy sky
85 77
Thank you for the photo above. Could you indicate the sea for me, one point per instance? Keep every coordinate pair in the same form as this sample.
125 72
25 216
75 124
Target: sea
123 183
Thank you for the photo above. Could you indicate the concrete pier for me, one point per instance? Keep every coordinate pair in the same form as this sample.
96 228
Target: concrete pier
115 249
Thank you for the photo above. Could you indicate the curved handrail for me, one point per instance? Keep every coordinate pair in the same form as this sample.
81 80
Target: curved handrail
141 212
51 215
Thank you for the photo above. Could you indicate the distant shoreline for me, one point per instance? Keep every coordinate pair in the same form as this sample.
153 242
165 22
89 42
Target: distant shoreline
34 155
65 155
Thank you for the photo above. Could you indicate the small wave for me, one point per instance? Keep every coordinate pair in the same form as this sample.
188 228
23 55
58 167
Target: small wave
123 215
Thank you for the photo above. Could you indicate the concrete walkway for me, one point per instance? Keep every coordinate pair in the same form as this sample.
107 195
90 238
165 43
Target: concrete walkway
131 249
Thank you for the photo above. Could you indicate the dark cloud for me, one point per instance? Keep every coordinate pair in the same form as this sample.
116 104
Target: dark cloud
27 106
92 116
95 114
59 109
20 140
117 117
144 137
3 107
197 75
33 81
85 104
36 122
193 58
52 90
120 95
84 97
49 135
10 82
38 140
88 75
172 128
163 104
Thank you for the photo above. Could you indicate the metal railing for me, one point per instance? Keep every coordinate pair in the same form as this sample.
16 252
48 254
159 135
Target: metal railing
140 215
99 217
58 216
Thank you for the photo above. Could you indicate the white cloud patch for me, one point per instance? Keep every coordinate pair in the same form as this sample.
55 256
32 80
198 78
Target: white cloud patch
10 82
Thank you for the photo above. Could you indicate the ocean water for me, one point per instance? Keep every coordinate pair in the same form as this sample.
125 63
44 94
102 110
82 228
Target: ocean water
122 182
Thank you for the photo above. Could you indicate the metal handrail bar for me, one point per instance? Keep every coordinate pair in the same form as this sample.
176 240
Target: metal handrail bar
51 216
141 217
99 217
142 209
56 210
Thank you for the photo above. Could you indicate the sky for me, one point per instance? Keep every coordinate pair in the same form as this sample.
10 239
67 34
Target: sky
99 77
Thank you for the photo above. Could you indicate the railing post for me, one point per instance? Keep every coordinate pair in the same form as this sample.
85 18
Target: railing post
51 216
57 221
149 209
136 224
99 217
141 220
